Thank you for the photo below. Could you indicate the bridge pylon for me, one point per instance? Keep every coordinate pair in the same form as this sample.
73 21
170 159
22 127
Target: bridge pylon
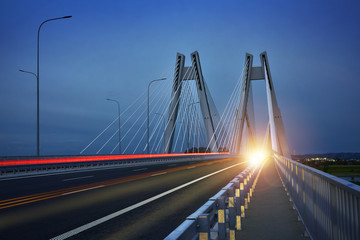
245 110
208 109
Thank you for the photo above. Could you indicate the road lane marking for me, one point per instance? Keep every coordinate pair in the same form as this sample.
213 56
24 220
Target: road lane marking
81 190
157 174
70 179
141 169
38 197
36 200
191 167
139 204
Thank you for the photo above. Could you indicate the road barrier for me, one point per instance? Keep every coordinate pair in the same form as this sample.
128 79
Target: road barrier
328 206
29 166
221 216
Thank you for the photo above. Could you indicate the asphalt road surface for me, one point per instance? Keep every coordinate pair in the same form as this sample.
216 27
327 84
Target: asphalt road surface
144 202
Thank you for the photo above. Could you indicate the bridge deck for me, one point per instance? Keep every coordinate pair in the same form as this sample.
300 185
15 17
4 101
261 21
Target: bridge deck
270 214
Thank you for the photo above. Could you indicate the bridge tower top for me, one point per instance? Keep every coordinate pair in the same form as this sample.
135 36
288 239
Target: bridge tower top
245 111
209 112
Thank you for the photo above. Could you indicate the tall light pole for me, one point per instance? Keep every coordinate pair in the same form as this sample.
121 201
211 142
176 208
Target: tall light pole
160 79
109 99
37 78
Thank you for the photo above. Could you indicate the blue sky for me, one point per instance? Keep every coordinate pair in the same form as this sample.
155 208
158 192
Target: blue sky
112 49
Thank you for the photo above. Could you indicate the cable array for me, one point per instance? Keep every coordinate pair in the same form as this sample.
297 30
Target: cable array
227 130
188 130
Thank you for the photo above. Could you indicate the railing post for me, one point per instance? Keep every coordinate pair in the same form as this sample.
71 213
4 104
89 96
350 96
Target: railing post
242 196
333 213
232 213
221 218
238 213
246 191
239 204
204 226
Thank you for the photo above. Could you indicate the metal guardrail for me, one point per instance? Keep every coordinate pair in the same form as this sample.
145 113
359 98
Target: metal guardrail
328 206
15 170
220 217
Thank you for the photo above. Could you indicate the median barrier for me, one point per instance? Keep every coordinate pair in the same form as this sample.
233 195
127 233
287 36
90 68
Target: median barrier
32 166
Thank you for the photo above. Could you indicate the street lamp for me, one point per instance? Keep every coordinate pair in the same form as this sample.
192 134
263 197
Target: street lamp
160 79
37 78
28 72
109 99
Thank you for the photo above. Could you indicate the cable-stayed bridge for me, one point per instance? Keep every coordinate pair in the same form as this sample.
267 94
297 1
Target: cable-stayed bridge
170 166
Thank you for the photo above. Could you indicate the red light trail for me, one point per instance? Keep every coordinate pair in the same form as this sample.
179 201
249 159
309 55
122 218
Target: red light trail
95 158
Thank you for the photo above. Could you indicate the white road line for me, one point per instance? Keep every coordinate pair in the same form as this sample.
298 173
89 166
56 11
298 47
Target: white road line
125 210
135 170
83 190
157 174
191 167
70 179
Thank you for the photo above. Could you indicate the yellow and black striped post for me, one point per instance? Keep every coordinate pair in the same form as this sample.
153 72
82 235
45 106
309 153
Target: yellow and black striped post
232 212
238 214
203 226
221 218
242 196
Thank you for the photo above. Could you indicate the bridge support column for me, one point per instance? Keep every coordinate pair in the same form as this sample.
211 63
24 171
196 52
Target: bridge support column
174 103
245 110
211 118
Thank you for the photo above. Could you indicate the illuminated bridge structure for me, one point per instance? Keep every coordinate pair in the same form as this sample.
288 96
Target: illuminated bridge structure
165 194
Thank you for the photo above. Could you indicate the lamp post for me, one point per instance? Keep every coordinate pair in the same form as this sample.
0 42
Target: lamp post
37 78
109 99
160 79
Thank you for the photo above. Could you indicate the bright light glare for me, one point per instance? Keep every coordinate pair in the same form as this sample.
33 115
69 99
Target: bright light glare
257 157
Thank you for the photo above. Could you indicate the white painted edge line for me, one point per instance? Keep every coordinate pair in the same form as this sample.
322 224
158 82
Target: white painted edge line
157 174
83 190
70 179
141 169
139 204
